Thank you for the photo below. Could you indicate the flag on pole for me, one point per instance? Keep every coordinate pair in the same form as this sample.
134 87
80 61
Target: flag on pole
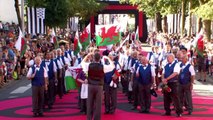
198 43
121 45
53 39
77 44
71 75
136 34
21 44
107 34
35 20
85 37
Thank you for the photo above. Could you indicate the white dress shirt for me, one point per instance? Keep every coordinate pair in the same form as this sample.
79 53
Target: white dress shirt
144 67
176 68
30 72
191 69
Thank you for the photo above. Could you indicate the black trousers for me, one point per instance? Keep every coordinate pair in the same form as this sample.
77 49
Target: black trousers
135 92
125 78
50 94
186 97
110 99
172 96
37 98
60 87
145 97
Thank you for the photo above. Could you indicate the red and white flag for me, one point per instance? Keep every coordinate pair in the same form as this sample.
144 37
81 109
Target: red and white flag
21 44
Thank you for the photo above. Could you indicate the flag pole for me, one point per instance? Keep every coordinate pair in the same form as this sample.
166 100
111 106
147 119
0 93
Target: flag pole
22 16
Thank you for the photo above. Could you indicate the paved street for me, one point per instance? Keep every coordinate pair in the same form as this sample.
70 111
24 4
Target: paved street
15 102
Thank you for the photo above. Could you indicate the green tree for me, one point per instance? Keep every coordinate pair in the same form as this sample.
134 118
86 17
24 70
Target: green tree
205 12
157 9
58 11
18 12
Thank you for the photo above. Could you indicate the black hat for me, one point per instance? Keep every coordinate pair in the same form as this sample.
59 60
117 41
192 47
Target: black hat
153 93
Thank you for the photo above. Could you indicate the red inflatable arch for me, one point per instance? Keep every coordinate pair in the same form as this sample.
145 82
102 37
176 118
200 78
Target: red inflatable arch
114 7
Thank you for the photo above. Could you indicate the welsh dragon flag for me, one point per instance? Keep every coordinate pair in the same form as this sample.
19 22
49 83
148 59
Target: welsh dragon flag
21 44
85 37
77 44
199 43
71 76
107 34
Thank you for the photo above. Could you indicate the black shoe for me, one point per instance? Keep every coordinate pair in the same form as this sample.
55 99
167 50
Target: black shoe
204 80
167 114
106 112
35 115
189 113
199 80
142 111
133 108
147 111
111 112
40 115
50 107
179 115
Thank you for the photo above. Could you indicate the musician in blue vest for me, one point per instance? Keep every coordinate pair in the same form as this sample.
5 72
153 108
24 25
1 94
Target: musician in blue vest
170 77
39 80
52 77
146 74
68 54
63 62
59 70
110 86
186 80
131 61
65 59
125 72
135 86
150 54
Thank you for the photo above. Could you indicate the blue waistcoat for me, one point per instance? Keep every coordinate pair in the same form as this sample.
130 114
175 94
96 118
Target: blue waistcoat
133 61
38 80
56 63
108 75
185 75
51 71
150 55
169 71
145 75
63 60
136 67
79 60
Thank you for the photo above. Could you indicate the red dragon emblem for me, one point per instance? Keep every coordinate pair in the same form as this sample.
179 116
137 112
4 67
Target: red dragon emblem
112 31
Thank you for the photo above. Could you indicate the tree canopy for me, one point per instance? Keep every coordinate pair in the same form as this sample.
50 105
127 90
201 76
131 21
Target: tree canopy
150 7
205 10
58 11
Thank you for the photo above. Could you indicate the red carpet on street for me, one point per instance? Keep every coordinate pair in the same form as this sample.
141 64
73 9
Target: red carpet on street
67 109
